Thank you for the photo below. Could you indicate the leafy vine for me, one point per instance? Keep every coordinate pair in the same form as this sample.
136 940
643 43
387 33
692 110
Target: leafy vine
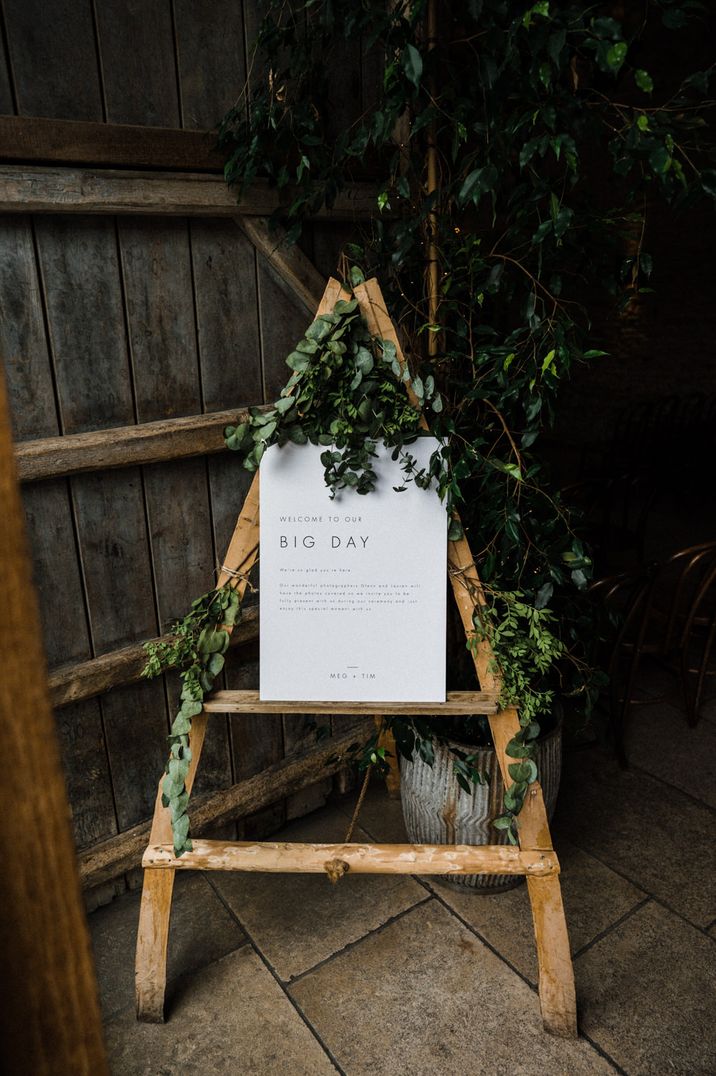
525 651
346 391
196 649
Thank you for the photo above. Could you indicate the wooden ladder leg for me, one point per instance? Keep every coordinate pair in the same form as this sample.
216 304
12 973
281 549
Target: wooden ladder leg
557 996
556 975
386 739
152 941
156 905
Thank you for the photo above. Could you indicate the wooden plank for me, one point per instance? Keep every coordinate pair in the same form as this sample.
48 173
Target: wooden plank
278 857
158 290
257 742
124 446
458 702
227 323
279 335
157 273
7 100
290 263
94 385
53 57
58 580
49 189
113 145
24 348
92 373
224 266
256 65
299 733
136 44
112 529
113 857
48 514
86 769
83 680
45 958
23 342
210 59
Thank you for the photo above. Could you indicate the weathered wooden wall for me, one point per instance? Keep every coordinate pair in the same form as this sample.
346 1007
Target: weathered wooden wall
112 321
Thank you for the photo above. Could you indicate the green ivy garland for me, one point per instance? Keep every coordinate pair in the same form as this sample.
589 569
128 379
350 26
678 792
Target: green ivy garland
347 390
525 649
196 649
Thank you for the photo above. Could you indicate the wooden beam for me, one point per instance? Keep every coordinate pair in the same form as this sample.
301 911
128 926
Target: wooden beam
115 145
113 857
291 264
457 702
125 446
274 857
47 189
85 679
49 1017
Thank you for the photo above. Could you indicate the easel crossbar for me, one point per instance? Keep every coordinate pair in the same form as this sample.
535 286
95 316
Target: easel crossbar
457 702
279 857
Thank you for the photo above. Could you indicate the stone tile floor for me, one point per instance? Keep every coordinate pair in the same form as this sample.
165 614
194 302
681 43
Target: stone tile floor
286 974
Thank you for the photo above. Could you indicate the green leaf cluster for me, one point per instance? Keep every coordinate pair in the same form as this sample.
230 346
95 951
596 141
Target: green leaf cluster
526 650
346 392
196 649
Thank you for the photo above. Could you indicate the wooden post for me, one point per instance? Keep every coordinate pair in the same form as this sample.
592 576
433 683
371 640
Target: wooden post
432 188
150 972
49 1018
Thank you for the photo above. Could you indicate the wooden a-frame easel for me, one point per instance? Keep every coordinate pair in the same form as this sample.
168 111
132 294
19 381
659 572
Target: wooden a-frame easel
534 857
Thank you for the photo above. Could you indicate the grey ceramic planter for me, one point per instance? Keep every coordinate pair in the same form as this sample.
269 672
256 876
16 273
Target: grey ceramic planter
438 811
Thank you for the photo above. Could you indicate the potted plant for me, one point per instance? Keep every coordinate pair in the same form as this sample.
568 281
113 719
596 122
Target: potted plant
520 149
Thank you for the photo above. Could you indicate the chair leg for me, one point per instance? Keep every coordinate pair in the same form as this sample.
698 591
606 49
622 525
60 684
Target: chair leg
617 713
152 941
556 976
694 716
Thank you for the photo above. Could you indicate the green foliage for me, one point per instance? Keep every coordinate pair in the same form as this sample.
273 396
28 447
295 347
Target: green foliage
196 650
347 390
526 652
554 139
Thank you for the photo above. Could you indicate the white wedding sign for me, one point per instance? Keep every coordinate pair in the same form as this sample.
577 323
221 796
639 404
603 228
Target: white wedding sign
353 590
